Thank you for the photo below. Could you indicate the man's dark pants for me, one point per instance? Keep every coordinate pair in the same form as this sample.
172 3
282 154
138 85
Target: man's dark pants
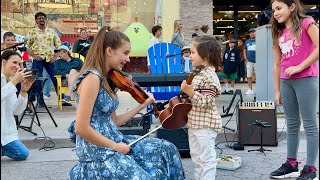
50 70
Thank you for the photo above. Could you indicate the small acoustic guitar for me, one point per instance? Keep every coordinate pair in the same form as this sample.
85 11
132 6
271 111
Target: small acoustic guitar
176 114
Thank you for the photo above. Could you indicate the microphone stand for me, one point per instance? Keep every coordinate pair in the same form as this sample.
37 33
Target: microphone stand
226 111
14 46
170 55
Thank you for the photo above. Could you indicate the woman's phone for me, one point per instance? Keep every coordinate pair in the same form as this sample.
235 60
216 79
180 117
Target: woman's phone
34 73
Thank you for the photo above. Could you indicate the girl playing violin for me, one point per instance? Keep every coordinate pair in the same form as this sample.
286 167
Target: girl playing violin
102 149
204 121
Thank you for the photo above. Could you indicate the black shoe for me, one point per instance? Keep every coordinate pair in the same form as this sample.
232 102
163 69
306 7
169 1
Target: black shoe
66 104
285 171
224 92
40 105
306 174
66 101
230 92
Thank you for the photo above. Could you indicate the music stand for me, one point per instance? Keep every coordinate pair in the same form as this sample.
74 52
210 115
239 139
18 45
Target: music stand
262 125
35 107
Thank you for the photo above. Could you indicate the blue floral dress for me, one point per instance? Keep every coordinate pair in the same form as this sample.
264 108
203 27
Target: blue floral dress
149 159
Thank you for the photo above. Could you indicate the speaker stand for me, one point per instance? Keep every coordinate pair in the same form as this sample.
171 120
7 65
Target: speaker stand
261 149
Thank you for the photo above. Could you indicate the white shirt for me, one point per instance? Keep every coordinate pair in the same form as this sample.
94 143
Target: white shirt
152 42
187 64
10 105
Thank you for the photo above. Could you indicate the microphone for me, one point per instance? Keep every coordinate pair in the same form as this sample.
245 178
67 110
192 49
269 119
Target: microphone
170 55
15 46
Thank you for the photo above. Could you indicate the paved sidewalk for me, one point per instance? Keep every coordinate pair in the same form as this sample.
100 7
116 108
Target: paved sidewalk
56 163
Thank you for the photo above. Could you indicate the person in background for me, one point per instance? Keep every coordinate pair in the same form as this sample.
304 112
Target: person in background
231 61
249 54
242 66
177 37
11 104
204 121
157 32
68 67
41 43
186 65
47 85
296 83
103 151
82 45
9 40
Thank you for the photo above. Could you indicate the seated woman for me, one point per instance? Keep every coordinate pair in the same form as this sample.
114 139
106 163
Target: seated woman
102 149
68 67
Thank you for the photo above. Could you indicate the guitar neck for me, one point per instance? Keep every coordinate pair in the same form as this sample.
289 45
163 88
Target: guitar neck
194 72
189 81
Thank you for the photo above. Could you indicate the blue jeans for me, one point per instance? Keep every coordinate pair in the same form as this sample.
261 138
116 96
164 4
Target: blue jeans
47 85
49 67
15 150
299 98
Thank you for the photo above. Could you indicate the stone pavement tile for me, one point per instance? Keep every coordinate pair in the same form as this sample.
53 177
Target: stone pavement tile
227 178
56 164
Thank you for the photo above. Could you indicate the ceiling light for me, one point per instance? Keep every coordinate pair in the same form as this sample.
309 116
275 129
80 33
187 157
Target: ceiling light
231 20
314 7
240 12
225 27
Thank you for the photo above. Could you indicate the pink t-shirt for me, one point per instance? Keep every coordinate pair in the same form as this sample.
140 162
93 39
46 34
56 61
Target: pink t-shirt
295 52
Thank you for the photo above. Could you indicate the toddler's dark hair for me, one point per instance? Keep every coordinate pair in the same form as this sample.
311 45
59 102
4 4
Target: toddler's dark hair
209 48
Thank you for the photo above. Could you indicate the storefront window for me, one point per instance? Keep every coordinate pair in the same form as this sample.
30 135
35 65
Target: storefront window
18 15
223 21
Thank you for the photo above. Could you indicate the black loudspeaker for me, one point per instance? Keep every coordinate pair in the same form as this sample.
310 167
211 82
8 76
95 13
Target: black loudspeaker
179 137
136 126
247 114
133 131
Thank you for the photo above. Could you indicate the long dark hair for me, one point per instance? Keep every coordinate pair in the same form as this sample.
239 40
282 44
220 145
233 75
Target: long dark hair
297 15
96 57
209 48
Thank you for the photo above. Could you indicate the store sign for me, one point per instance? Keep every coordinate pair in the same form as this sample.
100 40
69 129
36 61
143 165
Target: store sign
53 3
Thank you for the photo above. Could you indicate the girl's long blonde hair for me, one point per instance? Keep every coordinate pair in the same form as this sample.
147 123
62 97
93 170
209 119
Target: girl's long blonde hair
96 57
176 26
297 15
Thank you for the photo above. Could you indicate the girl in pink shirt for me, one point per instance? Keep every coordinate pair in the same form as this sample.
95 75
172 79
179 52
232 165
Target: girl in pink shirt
295 71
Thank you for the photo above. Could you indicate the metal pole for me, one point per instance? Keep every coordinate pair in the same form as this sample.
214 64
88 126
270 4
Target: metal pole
235 16
22 9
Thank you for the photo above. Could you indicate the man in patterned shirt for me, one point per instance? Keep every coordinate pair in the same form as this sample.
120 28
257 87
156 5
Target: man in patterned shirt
204 121
42 41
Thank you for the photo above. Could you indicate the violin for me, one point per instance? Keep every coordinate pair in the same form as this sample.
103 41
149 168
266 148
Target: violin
176 114
126 83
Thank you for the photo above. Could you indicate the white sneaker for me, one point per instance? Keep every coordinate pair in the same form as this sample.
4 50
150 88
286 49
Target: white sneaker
249 92
46 97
